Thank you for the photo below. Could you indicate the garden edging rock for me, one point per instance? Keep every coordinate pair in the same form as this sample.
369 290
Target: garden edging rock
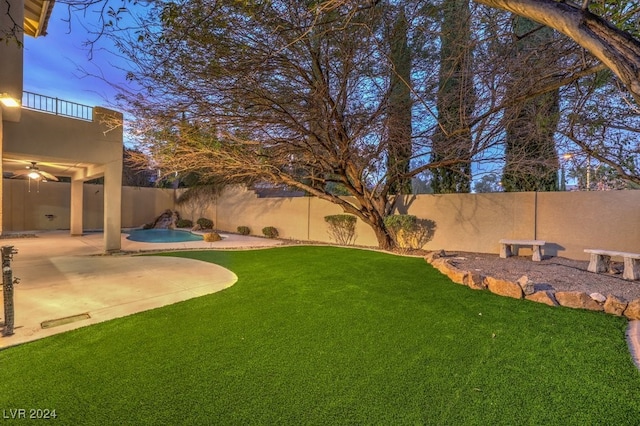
525 289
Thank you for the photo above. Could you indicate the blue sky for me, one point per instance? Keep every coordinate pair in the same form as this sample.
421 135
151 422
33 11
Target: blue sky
52 63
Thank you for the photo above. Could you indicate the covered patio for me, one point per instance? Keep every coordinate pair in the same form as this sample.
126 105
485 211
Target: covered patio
57 138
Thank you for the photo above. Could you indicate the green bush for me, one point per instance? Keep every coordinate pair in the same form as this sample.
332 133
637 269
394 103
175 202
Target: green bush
205 223
184 223
342 228
409 232
244 230
270 232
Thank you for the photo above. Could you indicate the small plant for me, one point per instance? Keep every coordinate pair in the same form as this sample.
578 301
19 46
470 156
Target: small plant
342 228
409 232
184 223
205 223
270 232
211 237
244 230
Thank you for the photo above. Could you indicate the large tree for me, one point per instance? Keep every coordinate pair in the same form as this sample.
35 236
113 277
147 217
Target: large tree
279 92
456 100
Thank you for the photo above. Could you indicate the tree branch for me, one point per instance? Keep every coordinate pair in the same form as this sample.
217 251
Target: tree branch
618 50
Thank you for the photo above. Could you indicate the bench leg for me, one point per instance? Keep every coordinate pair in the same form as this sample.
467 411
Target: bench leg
505 251
537 256
599 263
631 269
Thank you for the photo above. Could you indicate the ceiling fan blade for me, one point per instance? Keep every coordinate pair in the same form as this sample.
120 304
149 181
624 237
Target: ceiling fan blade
19 173
47 176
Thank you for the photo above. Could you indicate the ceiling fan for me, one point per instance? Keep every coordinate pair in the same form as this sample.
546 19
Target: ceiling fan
34 172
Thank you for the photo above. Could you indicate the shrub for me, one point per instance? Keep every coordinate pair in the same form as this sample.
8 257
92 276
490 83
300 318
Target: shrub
244 230
184 223
409 232
205 223
270 232
210 237
342 228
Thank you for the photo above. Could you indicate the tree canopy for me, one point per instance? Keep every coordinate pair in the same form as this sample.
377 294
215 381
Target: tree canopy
357 98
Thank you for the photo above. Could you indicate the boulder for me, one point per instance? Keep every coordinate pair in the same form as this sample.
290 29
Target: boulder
633 310
433 255
440 264
527 286
577 300
546 297
166 220
455 274
615 305
504 288
598 297
475 281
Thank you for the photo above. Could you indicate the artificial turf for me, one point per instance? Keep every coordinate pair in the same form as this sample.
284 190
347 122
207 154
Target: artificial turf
323 335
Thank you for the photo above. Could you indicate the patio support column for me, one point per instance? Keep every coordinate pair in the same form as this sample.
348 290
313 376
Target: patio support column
1 173
77 200
112 205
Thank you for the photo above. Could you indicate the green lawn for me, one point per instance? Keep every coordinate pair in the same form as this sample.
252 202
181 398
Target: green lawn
322 335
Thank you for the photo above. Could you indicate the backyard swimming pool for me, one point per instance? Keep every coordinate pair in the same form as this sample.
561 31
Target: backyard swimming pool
161 236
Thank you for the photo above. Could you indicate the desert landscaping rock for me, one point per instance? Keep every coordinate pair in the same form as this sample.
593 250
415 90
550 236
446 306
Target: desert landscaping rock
527 286
569 281
504 288
433 255
456 275
545 297
475 281
633 310
615 305
577 300
552 273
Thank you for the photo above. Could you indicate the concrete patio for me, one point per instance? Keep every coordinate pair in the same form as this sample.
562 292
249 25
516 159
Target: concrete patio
63 276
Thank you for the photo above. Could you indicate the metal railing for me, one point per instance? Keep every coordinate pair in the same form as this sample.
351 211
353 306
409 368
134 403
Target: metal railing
56 106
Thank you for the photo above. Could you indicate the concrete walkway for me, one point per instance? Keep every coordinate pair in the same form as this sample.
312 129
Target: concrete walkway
64 277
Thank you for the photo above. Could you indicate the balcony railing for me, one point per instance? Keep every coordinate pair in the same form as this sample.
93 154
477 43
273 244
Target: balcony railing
56 106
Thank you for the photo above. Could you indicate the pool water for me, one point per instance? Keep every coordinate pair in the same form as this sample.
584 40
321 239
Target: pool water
162 236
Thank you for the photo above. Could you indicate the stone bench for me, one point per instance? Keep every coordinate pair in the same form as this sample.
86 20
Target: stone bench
510 247
600 260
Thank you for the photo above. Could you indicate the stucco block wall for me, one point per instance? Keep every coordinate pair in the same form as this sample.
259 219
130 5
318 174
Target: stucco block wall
473 222
573 221
568 221
296 218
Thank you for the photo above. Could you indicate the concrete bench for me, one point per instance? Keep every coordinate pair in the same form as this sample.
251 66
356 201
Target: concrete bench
600 260
510 247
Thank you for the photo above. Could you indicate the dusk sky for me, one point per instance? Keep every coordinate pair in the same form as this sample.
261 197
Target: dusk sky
52 63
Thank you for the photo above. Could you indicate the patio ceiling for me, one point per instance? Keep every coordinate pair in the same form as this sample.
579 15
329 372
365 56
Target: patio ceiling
56 168
36 16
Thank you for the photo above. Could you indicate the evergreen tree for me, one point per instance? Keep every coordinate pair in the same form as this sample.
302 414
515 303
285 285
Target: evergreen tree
456 101
399 118
531 158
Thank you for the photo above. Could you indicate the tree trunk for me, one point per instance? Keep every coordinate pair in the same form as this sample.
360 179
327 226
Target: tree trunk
618 50
385 242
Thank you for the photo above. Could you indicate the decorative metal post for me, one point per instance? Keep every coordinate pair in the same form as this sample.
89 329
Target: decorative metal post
7 289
